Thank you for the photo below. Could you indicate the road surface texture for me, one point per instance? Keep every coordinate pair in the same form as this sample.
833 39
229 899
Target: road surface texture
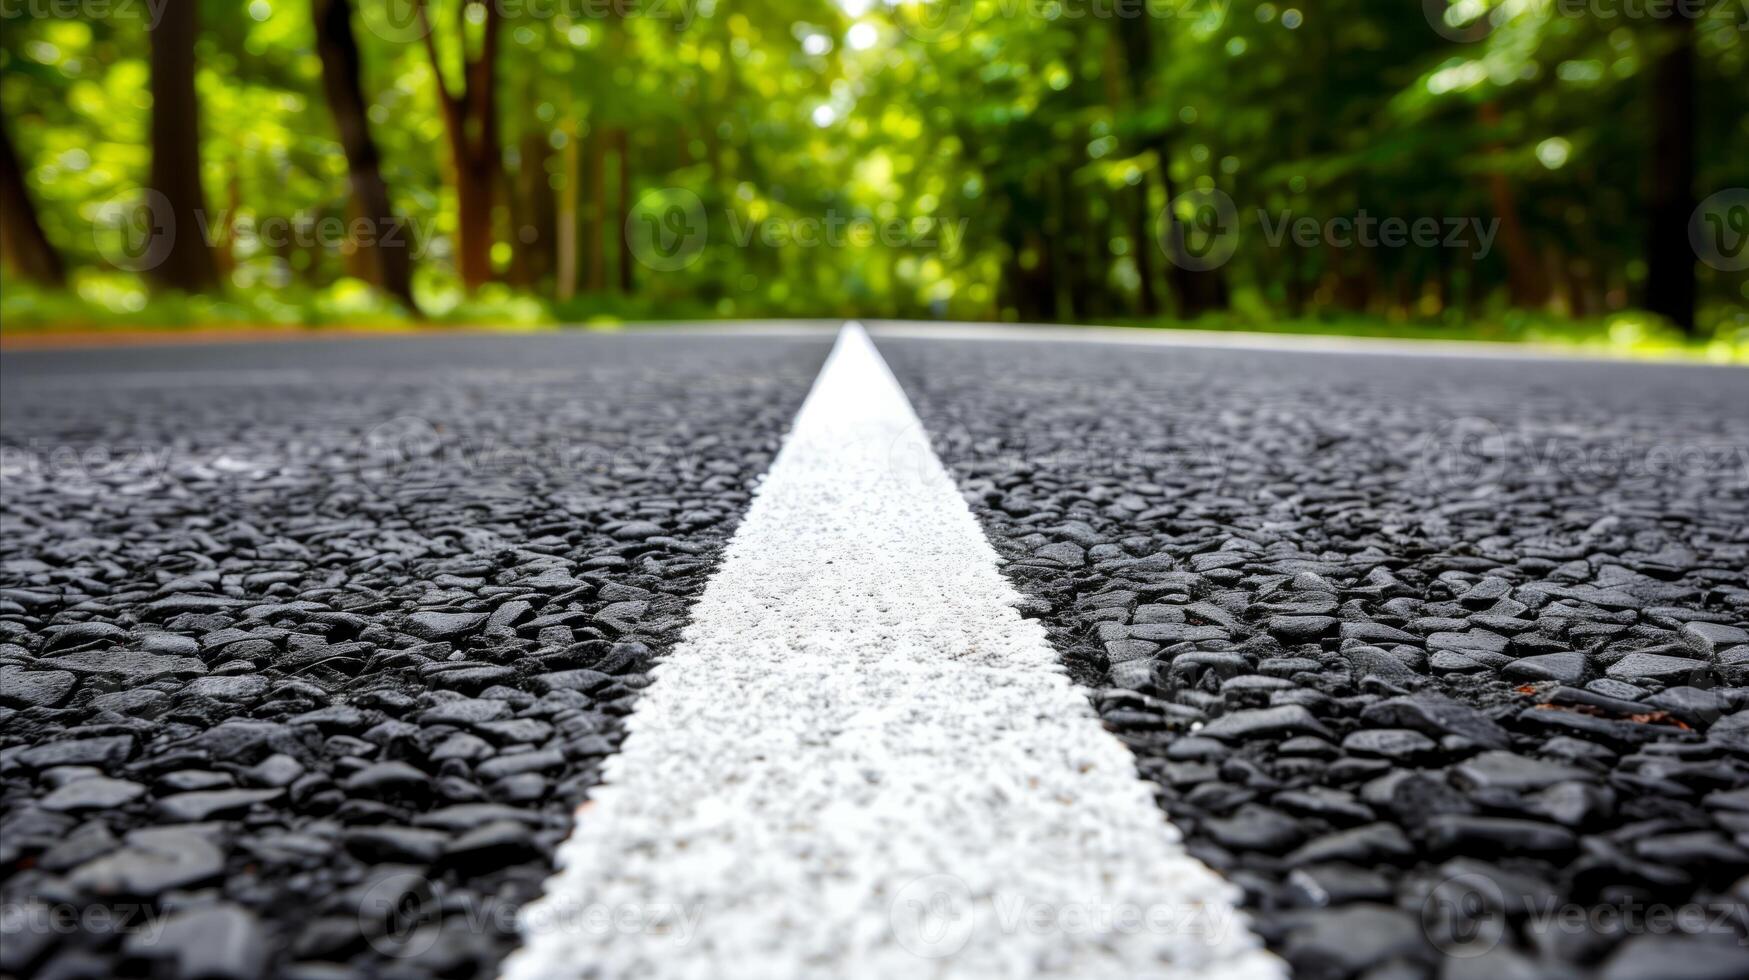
862 762
301 638
309 652
1442 660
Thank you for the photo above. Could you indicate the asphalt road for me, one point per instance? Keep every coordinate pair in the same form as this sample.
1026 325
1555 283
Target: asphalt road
310 649
348 628
1441 659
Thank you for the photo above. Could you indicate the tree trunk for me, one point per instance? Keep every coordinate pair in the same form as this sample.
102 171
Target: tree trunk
1147 303
622 207
1526 286
1670 287
522 234
1442 292
388 251
539 205
1067 268
470 118
528 195
596 265
1198 291
1087 264
225 245
1296 280
1474 288
1031 289
473 196
22 243
1097 270
1578 286
184 260
565 284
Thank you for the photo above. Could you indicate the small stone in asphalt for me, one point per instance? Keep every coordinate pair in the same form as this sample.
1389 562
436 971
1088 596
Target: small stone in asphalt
466 711
213 942
206 805
1654 666
1507 770
443 626
34 688
97 793
105 750
1277 723
389 780
1396 744
152 861
1567 668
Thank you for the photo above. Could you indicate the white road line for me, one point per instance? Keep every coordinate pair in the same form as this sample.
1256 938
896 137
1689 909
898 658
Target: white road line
862 762
1256 340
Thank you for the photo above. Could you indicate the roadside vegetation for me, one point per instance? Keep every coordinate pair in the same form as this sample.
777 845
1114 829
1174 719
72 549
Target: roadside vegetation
1553 175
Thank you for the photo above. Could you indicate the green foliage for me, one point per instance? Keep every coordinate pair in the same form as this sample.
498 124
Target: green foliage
1025 148
1626 335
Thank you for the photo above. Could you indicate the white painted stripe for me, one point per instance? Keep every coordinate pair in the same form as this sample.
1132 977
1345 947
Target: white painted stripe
1292 343
862 762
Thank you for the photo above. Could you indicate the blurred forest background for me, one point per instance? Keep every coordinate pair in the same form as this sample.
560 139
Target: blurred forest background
1028 160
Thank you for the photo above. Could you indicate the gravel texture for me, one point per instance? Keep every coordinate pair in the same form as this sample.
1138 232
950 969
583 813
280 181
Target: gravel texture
1443 661
861 760
307 652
